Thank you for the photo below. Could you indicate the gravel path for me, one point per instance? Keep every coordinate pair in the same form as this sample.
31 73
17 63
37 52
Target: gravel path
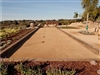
51 43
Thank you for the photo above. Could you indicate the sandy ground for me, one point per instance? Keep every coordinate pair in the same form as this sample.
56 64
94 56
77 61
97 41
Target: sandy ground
51 43
91 39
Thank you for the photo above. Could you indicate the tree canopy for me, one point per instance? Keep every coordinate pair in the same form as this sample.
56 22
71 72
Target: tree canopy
91 7
75 14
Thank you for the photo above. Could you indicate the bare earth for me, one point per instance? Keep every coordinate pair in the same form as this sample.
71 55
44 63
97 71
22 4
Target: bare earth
91 39
51 43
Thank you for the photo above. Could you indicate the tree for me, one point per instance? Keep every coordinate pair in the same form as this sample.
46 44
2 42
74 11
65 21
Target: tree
90 6
80 15
15 22
85 3
98 15
75 15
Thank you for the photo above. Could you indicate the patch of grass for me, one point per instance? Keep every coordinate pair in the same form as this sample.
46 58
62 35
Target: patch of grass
60 72
3 68
69 27
22 69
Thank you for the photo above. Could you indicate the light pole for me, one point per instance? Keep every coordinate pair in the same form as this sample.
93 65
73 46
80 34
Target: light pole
87 21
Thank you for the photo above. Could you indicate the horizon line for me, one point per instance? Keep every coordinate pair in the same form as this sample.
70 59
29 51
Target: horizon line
43 1
39 19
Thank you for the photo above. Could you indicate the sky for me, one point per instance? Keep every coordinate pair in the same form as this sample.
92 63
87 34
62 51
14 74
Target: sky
39 9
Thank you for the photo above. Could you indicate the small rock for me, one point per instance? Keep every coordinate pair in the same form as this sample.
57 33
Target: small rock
93 62
98 71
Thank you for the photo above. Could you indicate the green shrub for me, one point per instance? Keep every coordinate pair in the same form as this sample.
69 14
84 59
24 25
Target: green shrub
25 69
3 68
22 69
59 72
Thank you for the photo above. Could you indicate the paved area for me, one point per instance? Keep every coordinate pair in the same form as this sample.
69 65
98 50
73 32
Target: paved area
51 43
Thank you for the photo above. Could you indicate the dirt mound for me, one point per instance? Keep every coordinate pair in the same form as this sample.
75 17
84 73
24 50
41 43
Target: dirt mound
83 24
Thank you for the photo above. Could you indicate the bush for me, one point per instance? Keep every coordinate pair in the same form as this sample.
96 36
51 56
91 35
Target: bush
59 72
22 68
3 68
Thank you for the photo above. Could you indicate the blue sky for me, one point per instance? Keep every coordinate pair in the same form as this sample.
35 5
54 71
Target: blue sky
39 9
